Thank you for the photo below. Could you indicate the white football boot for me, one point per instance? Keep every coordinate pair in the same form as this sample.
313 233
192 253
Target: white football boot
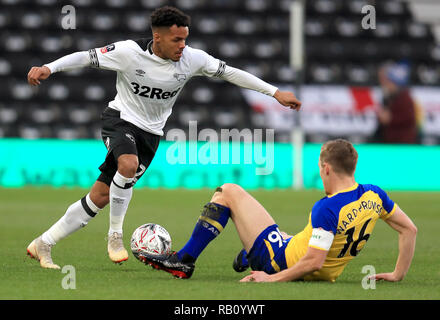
40 250
116 250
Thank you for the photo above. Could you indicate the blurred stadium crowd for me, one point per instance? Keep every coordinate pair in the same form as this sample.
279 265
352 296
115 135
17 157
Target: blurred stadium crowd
250 34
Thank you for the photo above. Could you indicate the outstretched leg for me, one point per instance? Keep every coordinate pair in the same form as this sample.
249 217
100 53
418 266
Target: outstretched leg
249 216
229 200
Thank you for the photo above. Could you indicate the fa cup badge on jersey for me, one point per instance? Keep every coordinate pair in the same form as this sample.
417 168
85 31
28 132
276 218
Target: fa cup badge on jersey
180 76
108 48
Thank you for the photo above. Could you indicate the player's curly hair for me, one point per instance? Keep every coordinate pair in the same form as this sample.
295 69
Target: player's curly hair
168 16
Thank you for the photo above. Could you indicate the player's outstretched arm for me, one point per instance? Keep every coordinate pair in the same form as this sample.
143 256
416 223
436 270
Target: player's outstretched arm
407 230
69 62
38 73
246 80
311 262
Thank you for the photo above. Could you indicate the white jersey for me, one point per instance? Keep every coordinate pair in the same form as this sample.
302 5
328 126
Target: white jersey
147 85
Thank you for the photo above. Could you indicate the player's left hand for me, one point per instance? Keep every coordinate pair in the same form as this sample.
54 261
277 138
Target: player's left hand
256 276
385 276
287 99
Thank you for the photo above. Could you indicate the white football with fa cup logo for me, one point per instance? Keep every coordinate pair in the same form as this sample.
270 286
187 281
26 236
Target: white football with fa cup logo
150 238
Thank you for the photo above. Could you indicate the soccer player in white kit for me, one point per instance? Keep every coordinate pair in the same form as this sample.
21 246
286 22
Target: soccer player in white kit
150 76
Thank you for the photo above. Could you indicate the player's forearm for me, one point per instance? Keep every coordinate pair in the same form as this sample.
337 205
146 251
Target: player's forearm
70 62
246 80
407 244
302 268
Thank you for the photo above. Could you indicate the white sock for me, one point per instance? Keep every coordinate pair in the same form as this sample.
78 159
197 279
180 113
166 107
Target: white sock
121 190
76 217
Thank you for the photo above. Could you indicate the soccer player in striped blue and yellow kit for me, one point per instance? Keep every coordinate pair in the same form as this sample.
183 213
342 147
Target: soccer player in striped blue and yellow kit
338 228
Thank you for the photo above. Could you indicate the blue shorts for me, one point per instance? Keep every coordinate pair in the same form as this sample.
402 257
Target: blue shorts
268 252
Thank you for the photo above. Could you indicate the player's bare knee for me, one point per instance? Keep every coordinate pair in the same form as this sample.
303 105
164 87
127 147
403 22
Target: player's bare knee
231 190
225 194
128 165
218 197
221 195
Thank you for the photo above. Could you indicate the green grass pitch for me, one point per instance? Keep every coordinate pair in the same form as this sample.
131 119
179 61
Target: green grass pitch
26 213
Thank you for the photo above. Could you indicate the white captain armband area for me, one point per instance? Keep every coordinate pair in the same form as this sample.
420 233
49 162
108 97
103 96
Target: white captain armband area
321 239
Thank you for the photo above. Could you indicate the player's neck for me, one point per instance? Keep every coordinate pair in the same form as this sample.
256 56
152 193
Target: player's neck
156 50
340 184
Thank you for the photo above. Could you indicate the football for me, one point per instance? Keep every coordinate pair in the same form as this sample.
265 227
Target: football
150 238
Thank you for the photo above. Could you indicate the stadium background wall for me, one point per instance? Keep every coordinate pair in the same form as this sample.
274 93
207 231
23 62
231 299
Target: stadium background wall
75 163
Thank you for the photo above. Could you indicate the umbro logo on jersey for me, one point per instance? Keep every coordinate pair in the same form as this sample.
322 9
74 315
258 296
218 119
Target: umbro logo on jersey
180 76
140 72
